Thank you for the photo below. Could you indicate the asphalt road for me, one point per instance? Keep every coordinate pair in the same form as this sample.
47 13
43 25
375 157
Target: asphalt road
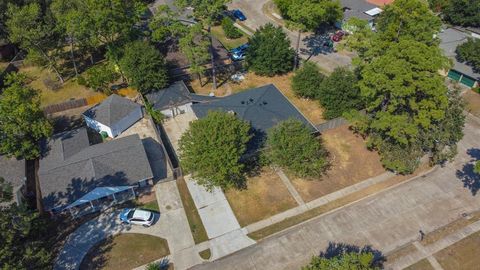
311 45
385 221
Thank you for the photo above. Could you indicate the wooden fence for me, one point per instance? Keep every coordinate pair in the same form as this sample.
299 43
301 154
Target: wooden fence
67 105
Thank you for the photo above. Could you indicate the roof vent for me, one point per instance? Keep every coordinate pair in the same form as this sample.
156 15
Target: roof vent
243 102
264 102
251 100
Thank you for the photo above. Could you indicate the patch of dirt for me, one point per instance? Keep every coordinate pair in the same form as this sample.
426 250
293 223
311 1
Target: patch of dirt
461 255
264 197
351 161
472 100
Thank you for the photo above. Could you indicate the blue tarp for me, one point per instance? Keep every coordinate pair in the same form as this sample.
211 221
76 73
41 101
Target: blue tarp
98 193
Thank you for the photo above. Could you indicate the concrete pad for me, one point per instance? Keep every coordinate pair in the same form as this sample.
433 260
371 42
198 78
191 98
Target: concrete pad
214 210
229 243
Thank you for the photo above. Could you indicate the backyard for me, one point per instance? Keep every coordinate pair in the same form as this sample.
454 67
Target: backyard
125 251
351 162
264 197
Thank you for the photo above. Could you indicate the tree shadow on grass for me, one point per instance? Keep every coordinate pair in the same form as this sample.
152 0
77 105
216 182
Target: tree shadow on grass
97 257
470 179
336 249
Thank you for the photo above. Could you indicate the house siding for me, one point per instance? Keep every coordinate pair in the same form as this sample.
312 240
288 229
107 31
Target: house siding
98 126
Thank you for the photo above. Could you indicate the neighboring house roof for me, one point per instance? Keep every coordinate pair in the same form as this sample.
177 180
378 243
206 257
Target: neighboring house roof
176 94
186 15
71 168
263 107
111 110
356 8
450 39
381 2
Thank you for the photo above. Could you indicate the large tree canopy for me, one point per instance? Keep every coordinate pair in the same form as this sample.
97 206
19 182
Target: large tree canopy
291 145
469 52
462 12
344 261
406 98
212 148
269 52
22 122
144 66
307 80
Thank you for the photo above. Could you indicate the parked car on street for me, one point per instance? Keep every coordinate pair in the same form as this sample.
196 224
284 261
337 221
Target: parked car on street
137 217
237 13
338 36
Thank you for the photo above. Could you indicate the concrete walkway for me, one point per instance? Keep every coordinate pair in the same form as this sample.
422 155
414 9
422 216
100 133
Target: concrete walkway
289 186
428 251
317 202
225 234
172 225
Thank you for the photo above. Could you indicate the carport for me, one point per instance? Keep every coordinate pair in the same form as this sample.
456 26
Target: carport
100 198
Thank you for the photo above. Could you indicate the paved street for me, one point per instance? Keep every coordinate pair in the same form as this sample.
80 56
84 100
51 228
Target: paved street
255 18
385 221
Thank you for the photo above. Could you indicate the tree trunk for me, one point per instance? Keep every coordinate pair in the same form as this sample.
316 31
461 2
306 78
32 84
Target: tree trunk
52 65
295 63
38 191
199 79
214 75
72 54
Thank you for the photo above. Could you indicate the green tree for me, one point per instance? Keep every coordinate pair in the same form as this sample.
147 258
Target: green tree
6 190
164 25
99 77
212 148
476 168
462 12
22 122
194 45
339 93
307 15
34 32
230 30
307 80
269 52
344 261
292 146
144 66
208 12
23 245
469 52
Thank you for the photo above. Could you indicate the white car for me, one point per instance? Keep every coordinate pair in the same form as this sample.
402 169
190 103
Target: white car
137 217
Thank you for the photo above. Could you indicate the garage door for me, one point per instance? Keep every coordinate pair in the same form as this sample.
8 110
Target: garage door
467 81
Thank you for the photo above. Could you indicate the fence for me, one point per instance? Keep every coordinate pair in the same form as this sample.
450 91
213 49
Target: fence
67 105
334 123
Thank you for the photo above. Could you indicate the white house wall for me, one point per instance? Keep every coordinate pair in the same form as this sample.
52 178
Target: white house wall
169 113
98 126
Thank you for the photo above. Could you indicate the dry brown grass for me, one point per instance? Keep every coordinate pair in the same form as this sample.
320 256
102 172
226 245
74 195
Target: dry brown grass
264 197
472 100
311 109
401 252
450 228
464 254
351 161
69 90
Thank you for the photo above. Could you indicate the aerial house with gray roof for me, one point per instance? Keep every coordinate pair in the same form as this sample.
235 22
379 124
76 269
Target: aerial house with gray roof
78 177
113 115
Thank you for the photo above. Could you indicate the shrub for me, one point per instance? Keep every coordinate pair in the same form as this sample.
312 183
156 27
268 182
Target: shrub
98 78
307 80
230 30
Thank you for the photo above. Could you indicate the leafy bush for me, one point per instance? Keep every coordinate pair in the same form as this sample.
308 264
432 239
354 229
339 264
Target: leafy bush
156 115
469 52
230 30
98 78
291 145
307 81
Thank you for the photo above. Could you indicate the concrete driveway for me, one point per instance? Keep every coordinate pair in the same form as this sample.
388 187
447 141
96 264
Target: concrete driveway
223 230
309 47
385 221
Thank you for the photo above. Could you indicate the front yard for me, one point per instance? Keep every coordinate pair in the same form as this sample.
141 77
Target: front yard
264 197
229 44
351 161
461 255
125 251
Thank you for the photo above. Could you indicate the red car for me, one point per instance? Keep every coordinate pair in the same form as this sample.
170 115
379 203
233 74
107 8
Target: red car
338 36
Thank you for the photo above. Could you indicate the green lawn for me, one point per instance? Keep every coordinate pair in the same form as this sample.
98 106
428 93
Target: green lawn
153 206
125 251
218 33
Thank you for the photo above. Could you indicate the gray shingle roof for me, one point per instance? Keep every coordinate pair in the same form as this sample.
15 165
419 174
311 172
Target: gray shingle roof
356 8
450 39
262 107
175 95
111 110
65 175
13 170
